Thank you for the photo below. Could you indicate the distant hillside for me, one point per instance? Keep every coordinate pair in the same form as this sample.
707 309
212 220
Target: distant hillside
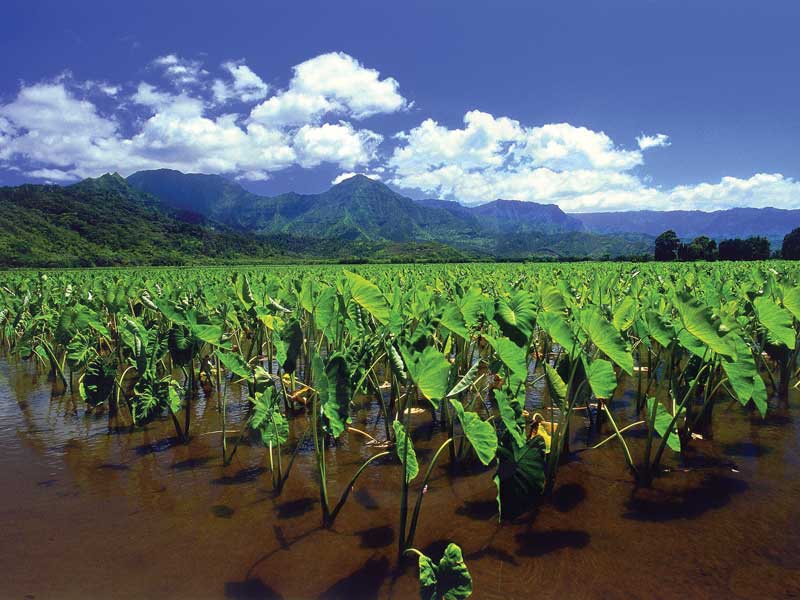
105 221
772 223
361 209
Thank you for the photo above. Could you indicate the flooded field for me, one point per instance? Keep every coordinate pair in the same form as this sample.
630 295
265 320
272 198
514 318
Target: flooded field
90 513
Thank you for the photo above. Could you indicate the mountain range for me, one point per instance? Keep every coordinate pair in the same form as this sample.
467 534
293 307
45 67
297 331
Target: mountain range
168 217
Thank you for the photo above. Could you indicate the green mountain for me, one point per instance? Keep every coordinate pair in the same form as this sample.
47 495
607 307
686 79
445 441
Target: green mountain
106 221
361 209
166 217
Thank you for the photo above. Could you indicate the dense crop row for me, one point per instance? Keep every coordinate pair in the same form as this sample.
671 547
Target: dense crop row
461 342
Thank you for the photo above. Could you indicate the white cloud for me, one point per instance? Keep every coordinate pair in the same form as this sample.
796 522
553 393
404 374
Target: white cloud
579 169
338 143
345 176
58 133
658 140
51 175
246 85
181 71
330 83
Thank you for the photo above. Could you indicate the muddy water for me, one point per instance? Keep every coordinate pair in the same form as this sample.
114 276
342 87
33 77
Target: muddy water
85 513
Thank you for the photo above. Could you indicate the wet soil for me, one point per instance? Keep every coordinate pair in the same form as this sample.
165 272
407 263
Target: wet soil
92 514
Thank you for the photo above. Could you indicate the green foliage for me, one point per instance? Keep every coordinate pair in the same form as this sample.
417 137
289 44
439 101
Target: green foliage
447 580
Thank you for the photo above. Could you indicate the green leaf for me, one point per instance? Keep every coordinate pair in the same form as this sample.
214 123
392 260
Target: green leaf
455 582
660 330
369 297
428 580
430 371
510 411
407 456
481 435
466 381
510 355
662 423
516 317
607 339
602 378
699 322
624 313
558 389
292 338
777 321
235 364
520 474
556 326
336 398
791 300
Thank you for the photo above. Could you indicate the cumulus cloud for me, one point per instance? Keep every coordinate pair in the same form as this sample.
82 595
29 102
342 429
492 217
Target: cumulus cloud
577 168
658 140
330 83
345 176
246 86
182 71
57 132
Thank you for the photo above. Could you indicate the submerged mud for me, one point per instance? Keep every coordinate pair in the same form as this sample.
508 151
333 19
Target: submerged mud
88 513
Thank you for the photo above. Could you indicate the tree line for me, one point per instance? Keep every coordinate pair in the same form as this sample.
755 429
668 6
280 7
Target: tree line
669 247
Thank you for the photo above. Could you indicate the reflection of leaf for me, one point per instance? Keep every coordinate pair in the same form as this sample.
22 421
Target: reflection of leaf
407 455
479 433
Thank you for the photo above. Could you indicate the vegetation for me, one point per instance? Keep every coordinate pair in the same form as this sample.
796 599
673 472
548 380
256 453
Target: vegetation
791 245
466 345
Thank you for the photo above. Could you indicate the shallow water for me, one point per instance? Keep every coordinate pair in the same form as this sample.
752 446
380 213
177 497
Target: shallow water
85 513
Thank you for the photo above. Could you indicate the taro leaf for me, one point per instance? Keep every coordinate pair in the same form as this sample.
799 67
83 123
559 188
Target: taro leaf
292 338
556 326
173 397
511 355
662 423
602 378
698 321
369 297
180 344
241 287
98 382
624 313
268 420
791 300
520 475
235 364
558 389
479 433
607 339
430 371
552 299
453 320
510 411
406 455
336 398
515 317
660 330
428 580
465 382
449 580
776 320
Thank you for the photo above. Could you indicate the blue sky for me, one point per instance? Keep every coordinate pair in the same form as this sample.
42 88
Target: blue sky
591 105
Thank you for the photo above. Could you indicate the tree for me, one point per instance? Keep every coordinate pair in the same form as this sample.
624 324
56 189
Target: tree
667 246
701 248
759 247
791 245
753 248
